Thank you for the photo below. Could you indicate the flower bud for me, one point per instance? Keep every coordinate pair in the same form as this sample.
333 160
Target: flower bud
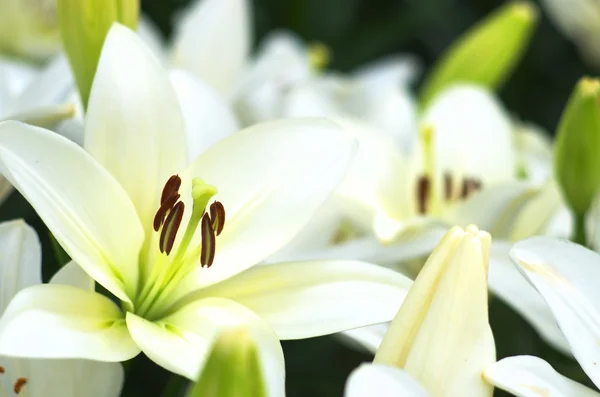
577 147
441 334
84 25
487 53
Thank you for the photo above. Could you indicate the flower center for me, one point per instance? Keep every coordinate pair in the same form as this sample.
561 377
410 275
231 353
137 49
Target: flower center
173 265
17 386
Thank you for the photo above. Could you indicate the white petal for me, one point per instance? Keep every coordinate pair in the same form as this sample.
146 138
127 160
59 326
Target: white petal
527 376
306 299
16 76
534 149
308 100
180 342
508 284
272 179
152 37
65 378
62 321
566 276
134 126
473 134
20 261
72 274
367 337
213 42
382 381
208 118
84 207
537 214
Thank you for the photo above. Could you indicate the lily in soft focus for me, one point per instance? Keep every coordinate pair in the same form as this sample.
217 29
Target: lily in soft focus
440 341
566 276
21 267
173 241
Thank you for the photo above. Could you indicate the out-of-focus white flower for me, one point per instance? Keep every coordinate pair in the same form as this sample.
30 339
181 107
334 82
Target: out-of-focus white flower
566 276
441 337
21 267
580 21
107 207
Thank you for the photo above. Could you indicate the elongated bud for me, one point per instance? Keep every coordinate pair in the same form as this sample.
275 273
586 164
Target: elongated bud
441 335
487 53
233 368
577 147
84 25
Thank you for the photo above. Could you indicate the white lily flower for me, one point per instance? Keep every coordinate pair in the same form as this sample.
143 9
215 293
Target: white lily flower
580 21
441 337
21 267
565 275
105 207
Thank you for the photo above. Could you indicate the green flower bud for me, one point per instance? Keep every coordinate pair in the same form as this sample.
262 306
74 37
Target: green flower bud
487 53
232 369
577 147
84 25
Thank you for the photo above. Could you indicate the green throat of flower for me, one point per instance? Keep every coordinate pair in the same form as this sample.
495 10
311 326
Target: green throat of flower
172 265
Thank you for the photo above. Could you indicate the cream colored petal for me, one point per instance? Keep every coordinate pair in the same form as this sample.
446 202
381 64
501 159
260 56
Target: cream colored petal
213 41
382 381
527 376
72 274
208 118
65 378
84 207
62 321
20 260
306 299
473 135
134 126
272 179
508 284
152 37
566 276
181 341
308 99
534 151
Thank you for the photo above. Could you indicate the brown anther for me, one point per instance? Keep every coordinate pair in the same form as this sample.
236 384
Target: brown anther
170 228
165 207
423 187
171 188
19 385
469 187
207 253
448 186
2 369
217 215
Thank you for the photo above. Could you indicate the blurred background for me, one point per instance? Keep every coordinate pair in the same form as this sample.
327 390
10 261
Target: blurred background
358 31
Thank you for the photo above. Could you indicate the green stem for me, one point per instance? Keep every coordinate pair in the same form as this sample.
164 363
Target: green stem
579 234
174 386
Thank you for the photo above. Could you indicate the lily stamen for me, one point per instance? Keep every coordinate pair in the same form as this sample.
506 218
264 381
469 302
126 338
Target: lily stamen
19 385
207 253
423 191
217 214
170 228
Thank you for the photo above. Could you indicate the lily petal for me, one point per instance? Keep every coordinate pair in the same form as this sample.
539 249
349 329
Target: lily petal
181 341
286 180
213 42
367 337
565 274
295 299
62 321
134 126
527 376
207 116
72 274
382 381
20 262
79 202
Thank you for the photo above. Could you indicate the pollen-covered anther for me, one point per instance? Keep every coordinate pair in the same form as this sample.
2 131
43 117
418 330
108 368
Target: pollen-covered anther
217 215
470 186
207 253
168 199
20 382
170 228
2 370
423 191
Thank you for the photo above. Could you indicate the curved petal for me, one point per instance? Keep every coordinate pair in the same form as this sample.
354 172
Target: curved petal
208 118
62 321
213 42
368 337
181 341
72 274
537 214
84 207
508 284
382 381
20 262
527 376
306 299
566 276
534 150
272 179
67 378
134 126
473 134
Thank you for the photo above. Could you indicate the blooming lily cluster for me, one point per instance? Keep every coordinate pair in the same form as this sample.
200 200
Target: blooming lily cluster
206 203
